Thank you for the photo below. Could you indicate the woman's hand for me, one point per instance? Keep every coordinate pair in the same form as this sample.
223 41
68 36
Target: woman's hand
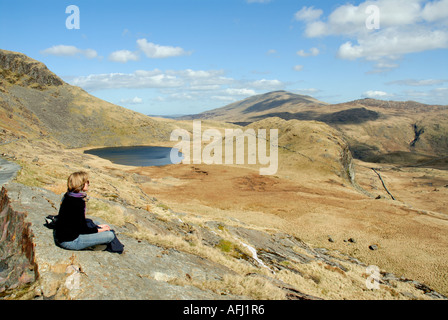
103 227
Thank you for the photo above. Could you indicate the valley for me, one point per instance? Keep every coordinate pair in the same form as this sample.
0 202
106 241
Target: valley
324 192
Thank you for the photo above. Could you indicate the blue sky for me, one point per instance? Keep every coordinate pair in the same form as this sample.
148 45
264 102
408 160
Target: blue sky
187 56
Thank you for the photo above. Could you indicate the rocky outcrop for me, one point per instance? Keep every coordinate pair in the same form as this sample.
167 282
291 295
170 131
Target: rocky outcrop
18 68
17 266
346 160
8 171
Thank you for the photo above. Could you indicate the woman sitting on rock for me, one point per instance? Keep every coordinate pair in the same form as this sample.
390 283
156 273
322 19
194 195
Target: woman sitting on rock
72 231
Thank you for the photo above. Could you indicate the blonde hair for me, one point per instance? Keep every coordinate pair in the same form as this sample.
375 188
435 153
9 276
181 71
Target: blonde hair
76 181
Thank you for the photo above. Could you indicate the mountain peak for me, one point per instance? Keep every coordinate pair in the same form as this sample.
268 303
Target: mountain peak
19 69
259 105
286 94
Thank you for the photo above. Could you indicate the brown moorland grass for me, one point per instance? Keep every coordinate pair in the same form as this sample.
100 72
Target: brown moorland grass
411 243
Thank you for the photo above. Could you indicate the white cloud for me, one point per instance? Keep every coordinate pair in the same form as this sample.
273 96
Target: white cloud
265 84
135 100
188 79
441 92
89 53
392 44
224 98
204 87
138 79
69 51
258 1
437 10
298 68
200 80
383 65
406 26
418 83
316 29
123 56
349 19
181 96
309 92
434 96
240 92
376 94
308 14
199 87
153 50
198 74
313 52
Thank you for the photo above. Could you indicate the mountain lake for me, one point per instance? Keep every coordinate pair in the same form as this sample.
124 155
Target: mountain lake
137 156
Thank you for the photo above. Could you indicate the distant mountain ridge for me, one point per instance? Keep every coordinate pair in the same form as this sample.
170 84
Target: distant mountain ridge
257 106
377 130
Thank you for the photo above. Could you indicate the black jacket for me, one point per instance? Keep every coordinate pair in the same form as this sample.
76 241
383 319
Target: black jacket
71 220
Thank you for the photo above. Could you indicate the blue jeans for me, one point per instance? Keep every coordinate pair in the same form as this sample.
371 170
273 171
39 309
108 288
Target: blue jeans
88 240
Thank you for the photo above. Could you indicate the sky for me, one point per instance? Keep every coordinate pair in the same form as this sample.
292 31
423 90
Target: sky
165 57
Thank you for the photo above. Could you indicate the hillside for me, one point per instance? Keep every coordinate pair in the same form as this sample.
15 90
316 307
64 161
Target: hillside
406 133
35 103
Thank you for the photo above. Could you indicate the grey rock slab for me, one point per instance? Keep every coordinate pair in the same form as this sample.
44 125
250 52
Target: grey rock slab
144 271
8 171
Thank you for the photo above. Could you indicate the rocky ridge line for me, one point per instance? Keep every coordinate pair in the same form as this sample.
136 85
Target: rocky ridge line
17 66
